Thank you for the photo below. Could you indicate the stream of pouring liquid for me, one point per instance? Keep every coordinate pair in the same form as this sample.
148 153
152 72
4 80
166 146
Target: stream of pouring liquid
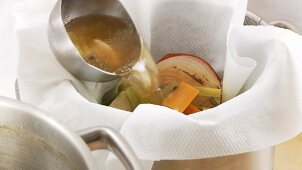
144 78
112 44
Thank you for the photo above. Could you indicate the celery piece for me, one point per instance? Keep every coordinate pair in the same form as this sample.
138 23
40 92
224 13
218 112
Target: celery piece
209 92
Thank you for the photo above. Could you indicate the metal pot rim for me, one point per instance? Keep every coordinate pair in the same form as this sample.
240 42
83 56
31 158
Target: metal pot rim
71 136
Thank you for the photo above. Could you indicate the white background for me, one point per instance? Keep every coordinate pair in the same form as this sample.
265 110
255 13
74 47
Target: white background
289 10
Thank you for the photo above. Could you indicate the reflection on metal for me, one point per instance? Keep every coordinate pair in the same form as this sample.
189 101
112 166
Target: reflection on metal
104 138
254 19
29 140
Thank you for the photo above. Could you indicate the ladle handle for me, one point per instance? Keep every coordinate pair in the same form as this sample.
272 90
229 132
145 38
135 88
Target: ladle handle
105 138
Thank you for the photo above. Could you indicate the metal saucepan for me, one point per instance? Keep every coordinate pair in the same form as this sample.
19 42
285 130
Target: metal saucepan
29 140
63 48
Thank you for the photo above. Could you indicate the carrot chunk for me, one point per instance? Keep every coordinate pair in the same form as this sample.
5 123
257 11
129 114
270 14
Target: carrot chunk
191 109
181 97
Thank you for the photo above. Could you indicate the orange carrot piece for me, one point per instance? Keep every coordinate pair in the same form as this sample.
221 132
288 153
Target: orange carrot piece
191 109
181 97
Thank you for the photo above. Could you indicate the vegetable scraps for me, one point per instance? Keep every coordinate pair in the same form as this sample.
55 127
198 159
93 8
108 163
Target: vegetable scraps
196 72
188 84
181 97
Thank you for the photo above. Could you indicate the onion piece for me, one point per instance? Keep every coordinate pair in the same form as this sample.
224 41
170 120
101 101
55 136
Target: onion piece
194 71
188 68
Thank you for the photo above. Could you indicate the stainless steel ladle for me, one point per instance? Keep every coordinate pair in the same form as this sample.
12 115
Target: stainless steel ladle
61 44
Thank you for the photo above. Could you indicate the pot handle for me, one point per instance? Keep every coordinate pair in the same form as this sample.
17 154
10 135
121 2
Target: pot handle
106 138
